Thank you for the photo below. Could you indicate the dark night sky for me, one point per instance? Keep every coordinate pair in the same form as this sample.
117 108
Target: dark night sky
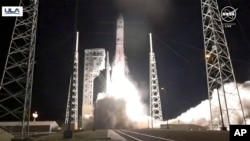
177 38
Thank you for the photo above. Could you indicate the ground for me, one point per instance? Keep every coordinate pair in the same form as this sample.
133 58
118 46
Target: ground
137 135
98 135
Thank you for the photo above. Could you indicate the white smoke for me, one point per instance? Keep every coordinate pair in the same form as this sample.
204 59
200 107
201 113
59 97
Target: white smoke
200 114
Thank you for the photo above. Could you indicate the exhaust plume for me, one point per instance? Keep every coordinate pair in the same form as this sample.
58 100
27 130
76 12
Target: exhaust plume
200 114
111 113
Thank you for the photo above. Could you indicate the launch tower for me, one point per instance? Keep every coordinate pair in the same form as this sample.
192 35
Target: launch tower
219 68
94 62
17 80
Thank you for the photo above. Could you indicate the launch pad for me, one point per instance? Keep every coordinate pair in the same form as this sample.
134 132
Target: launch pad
118 86
218 63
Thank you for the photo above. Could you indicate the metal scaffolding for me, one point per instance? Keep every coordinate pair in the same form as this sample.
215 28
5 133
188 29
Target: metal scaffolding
17 80
219 69
94 62
72 103
68 103
155 99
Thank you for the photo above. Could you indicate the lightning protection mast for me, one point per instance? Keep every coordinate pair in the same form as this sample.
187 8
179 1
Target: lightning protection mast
155 100
17 80
219 69
72 104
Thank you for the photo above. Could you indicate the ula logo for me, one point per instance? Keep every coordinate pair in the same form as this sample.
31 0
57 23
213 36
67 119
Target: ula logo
12 11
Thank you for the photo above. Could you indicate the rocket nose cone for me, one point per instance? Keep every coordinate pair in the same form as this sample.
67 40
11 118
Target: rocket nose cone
120 18
120 21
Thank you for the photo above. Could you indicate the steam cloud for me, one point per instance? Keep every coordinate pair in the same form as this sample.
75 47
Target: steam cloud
111 113
200 114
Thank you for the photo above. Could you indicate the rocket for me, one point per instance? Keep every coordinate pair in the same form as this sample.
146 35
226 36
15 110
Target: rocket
119 54
119 65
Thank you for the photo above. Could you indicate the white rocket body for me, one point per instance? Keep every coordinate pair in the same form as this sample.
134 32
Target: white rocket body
119 55
119 65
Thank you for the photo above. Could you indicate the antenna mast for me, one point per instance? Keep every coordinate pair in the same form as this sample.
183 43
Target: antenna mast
72 103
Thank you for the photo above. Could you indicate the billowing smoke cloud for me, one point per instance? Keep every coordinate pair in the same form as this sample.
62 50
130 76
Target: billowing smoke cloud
201 113
111 113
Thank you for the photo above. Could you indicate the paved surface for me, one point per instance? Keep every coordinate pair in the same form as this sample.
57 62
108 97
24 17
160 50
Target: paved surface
115 136
140 135
172 135
5 136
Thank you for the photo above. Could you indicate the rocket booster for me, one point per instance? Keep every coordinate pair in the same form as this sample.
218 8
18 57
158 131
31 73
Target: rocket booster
119 55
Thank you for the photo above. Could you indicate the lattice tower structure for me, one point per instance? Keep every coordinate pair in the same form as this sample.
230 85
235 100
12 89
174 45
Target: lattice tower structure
17 79
68 103
219 69
94 62
155 99
72 104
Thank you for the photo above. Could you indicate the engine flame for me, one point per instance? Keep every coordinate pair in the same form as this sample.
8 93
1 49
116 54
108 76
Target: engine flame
124 89
121 87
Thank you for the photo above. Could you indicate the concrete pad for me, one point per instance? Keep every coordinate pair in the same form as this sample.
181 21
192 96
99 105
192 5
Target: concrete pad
114 136
5 136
